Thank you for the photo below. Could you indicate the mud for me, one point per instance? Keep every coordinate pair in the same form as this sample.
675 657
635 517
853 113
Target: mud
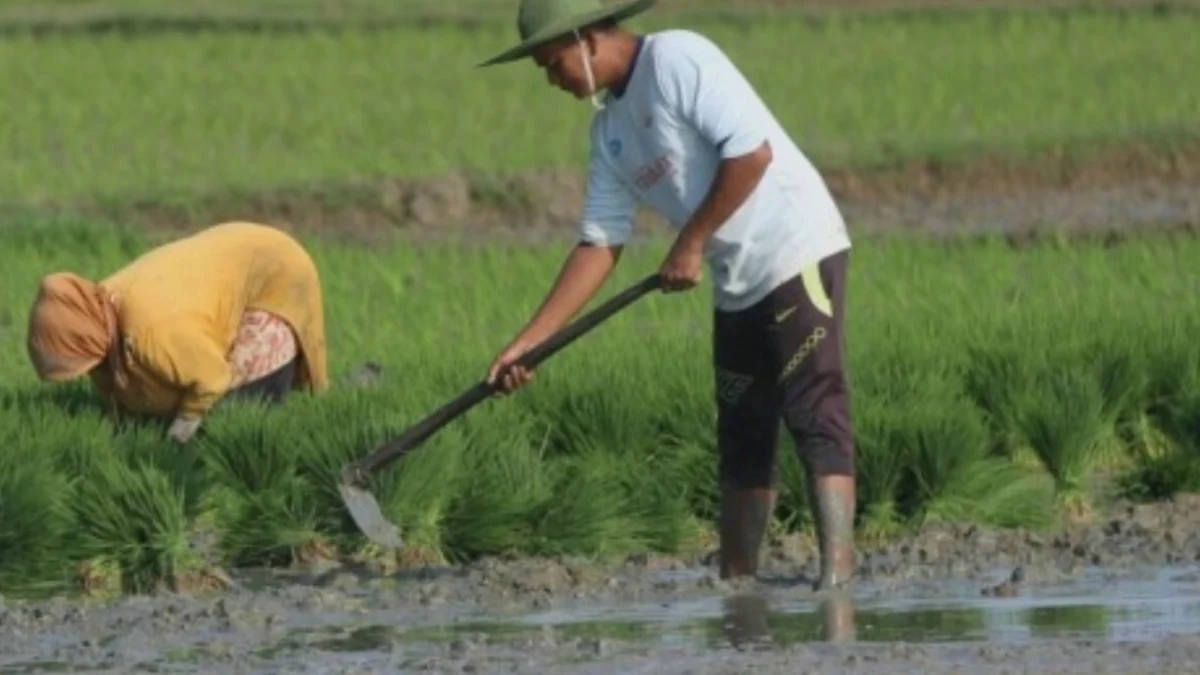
1117 594
1122 189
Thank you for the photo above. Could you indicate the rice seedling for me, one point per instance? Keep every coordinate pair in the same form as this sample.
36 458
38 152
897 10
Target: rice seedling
503 481
268 515
951 477
995 379
587 510
134 509
36 524
1063 420
1174 465
612 450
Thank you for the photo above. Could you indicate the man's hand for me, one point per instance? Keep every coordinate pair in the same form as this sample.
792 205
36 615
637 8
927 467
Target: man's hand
683 267
735 180
581 275
504 371
182 429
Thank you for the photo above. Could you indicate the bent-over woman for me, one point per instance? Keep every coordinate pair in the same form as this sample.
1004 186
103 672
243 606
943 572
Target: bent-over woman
235 309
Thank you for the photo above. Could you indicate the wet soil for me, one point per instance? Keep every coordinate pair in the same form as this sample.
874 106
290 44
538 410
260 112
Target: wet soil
1117 594
1108 191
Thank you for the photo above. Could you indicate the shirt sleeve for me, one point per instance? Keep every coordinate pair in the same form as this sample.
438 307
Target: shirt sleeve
194 365
609 206
706 90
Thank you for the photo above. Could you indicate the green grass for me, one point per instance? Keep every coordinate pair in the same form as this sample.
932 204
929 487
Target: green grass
611 450
172 116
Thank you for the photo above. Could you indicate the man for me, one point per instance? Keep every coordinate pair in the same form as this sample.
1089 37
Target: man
681 129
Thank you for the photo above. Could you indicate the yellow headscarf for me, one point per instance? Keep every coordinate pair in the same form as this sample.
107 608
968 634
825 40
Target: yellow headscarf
72 328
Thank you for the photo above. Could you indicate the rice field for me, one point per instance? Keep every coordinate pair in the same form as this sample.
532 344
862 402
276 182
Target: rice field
168 116
990 386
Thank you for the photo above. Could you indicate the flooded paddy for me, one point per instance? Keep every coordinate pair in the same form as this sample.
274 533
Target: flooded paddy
1118 596
1137 623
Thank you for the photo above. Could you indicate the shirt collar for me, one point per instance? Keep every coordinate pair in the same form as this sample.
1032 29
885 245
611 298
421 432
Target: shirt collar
619 90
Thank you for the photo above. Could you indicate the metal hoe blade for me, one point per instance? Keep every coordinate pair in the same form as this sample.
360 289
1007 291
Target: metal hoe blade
369 518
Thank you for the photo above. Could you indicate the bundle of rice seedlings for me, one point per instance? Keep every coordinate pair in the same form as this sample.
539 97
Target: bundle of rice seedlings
589 410
951 476
35 521
270 515
995 379
1120 372
686 467
660 493
587 510
504 479
880 458
413 492
1174 416
1063 418
183 465
135 515
884 399
38 414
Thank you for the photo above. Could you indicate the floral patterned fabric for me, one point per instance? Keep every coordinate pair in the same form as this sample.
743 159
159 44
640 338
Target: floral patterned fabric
265 343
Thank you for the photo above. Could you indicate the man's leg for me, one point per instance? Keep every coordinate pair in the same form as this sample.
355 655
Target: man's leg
747 432
810 348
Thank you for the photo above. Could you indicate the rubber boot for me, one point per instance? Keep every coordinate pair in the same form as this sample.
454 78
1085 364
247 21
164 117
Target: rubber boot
833 504
745 515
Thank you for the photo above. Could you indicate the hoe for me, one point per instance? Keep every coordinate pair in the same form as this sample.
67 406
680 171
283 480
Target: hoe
361 503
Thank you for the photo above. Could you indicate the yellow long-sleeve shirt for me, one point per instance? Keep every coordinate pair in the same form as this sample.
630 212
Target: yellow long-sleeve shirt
179 307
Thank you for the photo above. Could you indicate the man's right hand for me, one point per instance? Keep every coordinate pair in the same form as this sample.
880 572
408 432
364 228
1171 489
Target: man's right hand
505 373
580 277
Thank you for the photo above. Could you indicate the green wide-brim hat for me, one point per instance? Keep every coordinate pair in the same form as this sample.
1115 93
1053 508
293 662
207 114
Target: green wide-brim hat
541 21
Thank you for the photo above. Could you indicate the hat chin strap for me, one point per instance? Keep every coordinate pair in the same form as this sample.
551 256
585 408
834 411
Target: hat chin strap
587 69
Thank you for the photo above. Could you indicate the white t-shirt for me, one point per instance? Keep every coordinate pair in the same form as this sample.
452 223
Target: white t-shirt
686 107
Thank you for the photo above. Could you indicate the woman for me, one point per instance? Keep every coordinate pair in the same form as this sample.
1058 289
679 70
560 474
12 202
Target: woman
235 309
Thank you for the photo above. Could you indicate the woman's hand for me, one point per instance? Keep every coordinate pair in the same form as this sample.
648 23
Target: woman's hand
182 429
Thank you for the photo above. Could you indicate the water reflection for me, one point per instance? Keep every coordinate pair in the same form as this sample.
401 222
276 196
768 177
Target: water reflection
768 618
749 622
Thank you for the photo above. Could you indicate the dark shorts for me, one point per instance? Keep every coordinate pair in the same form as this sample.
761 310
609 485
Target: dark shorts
783 359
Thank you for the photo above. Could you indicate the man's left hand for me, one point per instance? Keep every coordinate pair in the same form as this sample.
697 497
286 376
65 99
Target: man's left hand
683 267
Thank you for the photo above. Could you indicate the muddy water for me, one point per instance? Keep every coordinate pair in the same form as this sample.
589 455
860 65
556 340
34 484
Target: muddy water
1139 621
1119 595
1142 620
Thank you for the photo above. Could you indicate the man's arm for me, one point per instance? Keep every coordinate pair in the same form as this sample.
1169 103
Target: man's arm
735 179
606 224
580 277
707 92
